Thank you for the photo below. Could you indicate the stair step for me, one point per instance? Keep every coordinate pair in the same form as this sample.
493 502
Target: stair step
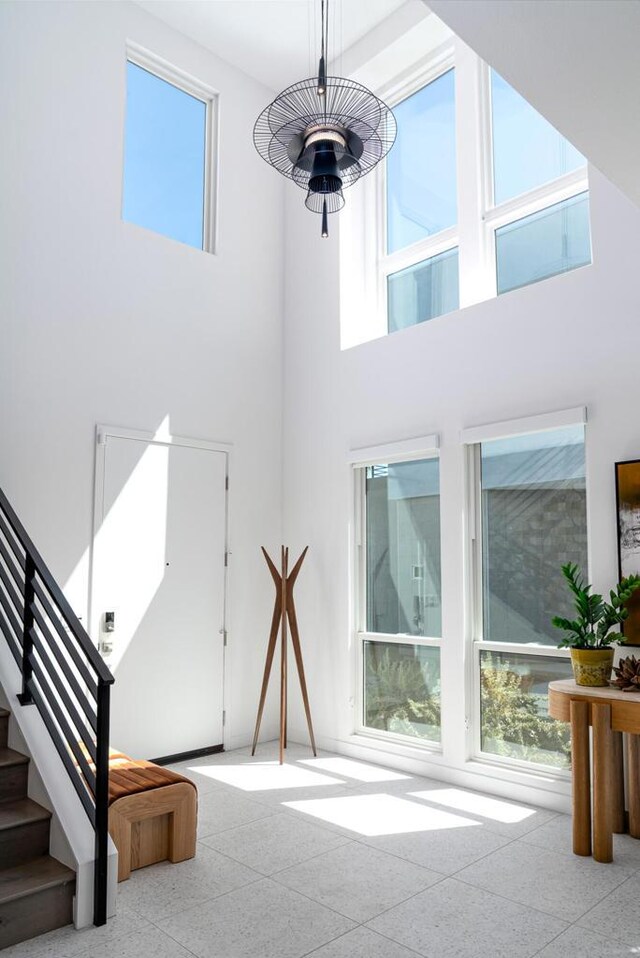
24 831
34 898
14 770
21 811
9 757
38 875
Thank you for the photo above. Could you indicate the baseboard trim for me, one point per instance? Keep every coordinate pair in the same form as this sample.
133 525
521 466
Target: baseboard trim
185 756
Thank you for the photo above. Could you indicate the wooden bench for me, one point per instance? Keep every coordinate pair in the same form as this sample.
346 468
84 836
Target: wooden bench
152 814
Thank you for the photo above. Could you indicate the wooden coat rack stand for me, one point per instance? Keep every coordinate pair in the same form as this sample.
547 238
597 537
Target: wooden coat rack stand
283 610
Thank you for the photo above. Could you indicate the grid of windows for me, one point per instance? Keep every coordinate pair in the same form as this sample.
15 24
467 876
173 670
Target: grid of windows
454 232
528 516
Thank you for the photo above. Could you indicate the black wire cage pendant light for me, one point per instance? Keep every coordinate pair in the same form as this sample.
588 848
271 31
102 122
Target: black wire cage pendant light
324 133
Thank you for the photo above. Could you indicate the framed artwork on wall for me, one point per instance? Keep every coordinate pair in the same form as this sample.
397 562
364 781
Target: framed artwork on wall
628 509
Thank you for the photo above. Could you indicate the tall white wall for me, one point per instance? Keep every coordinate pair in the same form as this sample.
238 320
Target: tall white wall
569 341
102 321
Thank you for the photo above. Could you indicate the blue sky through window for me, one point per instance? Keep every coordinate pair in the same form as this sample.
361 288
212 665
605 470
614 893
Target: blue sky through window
527 151
164 161
421 168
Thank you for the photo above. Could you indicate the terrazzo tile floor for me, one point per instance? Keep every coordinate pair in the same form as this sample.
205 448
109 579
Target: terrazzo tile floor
336 858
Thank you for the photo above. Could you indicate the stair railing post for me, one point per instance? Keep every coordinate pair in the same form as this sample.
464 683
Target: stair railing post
25 697
102 806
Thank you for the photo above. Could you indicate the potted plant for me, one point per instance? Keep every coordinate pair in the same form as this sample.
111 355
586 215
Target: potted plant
590 635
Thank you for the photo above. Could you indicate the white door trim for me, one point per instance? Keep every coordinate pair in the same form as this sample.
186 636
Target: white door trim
164 438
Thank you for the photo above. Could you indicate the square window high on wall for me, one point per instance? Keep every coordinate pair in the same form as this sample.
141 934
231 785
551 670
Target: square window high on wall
168 181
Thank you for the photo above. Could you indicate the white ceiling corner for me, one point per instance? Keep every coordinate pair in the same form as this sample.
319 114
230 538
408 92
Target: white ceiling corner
274 41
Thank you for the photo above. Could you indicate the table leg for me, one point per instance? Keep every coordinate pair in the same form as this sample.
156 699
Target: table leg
633 781
581 778
602 782
617 781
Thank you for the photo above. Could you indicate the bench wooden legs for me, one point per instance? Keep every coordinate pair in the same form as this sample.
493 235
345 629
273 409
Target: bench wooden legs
153 826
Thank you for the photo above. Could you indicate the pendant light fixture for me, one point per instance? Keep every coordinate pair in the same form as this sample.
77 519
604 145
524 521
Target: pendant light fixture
324 133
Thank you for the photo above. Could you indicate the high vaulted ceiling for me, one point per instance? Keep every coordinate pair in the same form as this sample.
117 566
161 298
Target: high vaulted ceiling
575 61
275 41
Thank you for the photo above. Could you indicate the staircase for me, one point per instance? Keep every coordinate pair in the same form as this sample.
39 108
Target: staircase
36 890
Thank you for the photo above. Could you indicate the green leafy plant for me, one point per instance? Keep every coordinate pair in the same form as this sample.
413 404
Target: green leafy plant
592 627
514 721
400 698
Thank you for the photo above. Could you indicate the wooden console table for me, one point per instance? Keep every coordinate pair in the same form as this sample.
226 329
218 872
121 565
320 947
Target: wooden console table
610 713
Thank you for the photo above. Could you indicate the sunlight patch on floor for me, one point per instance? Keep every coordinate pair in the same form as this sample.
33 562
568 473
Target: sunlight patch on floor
357 770
471 802
265 776
373 815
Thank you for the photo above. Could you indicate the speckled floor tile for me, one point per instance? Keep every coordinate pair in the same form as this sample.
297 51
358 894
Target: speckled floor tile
357 881
577 942
264 920
166 889
618 915
452 920
274 843
563 885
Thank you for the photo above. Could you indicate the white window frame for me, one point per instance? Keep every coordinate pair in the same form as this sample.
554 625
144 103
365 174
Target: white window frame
472 439
478 217
183 81
495 216
425 447
440 62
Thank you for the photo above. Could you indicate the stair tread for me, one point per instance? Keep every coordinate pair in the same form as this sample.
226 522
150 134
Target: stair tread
34 876
9 757
4 713
21 811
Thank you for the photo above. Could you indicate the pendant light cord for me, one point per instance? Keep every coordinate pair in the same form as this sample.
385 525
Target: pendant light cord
322 66
324 7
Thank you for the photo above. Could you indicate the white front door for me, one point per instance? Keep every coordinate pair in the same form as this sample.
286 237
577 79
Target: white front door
159 573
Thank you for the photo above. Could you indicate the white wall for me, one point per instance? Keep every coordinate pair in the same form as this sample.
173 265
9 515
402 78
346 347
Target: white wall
569 341
103 321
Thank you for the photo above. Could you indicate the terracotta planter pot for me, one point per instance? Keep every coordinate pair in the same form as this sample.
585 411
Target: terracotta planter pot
592 666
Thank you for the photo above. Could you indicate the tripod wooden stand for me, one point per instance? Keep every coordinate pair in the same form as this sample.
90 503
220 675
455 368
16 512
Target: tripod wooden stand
283 610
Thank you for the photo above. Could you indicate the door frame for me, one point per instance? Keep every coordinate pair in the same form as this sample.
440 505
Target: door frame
162 437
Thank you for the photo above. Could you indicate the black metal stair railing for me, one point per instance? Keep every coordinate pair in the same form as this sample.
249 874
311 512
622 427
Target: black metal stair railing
62 675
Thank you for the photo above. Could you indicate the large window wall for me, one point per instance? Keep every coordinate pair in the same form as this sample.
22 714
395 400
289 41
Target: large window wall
526 515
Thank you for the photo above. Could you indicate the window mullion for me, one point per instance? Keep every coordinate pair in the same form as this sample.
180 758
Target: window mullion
419 252
472 143
542 197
